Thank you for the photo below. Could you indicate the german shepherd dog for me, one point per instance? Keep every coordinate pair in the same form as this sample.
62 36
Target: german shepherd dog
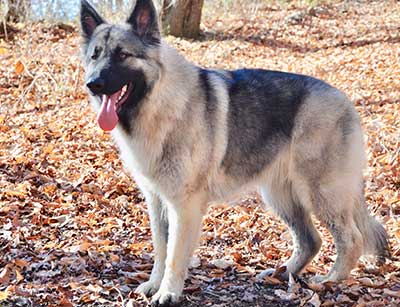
191 136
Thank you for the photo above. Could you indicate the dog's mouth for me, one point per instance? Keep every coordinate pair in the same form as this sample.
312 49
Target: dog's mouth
108 117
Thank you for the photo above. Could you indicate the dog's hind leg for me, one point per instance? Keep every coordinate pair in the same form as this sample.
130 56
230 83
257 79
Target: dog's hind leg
331 194
159 230
326 171
334 207
306 239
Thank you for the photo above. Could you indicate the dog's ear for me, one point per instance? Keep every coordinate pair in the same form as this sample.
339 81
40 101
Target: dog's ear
90 19
144 21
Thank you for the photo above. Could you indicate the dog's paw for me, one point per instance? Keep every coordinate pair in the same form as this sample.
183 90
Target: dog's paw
165 297
148 288
280 273
321 279
266 273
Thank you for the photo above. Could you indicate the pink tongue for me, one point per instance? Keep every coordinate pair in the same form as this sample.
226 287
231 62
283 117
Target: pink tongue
107 117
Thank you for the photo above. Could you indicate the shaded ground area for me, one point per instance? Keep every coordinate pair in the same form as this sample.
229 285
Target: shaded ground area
73 227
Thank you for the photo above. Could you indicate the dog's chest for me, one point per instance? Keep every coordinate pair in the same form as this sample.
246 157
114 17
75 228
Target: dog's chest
141 159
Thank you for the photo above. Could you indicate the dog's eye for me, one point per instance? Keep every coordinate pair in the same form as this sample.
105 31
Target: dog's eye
123 55
96 53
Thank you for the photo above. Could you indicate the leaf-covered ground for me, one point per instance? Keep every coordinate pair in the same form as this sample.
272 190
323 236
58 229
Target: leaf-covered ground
73 226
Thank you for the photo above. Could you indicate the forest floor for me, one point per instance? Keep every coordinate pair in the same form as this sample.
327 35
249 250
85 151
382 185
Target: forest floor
74 230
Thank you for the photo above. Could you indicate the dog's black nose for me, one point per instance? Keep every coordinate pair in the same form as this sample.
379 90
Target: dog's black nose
96 85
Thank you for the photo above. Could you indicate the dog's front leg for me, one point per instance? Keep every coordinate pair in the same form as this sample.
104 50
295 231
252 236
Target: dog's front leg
184 230
159 231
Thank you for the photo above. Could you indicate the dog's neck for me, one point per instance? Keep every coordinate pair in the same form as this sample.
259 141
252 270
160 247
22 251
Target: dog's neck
163 108
166 101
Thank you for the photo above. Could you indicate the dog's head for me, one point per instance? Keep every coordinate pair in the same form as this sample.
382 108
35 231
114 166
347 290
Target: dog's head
121 61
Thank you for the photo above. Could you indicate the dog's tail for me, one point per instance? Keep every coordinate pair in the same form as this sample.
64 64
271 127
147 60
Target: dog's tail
374 234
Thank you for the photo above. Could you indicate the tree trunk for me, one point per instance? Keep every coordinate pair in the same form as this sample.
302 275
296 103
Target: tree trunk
182 18
16 10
